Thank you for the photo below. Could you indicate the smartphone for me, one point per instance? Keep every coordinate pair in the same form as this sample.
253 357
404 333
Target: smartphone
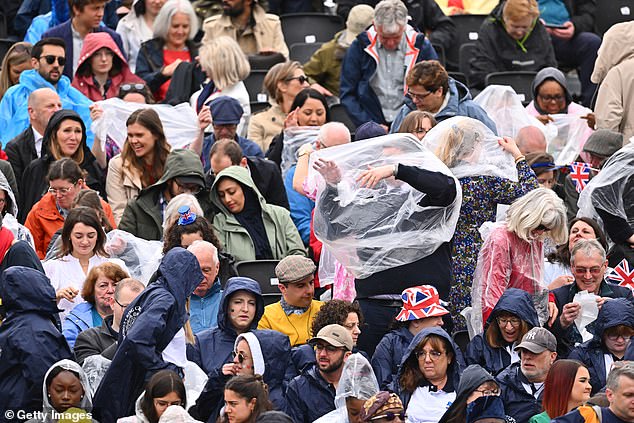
554 26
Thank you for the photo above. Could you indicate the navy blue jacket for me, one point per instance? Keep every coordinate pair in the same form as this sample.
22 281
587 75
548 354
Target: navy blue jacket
494 360
309 396
303 357
359 66
629 353
569 337
65 32
388 355
518 403
607 416
31 340
147 327
613 313
453 371
460 104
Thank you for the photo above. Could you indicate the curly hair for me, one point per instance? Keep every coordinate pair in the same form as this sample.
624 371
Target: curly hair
335 312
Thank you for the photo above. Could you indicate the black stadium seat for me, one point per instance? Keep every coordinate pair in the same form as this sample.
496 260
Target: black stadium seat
5 45
520 81
310 27
466 53
302 52
263 271
253 84
338 113
611 12
467 27
265 61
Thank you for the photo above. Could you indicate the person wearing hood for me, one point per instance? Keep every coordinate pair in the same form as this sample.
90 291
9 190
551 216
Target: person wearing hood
9 205
429 374
248 227
151 335
65 136
31 337
512 317
612 70
259 352
512 38
66 389
183 173
356 385
612 332
431 89
136 27
415 315
14 115
102 68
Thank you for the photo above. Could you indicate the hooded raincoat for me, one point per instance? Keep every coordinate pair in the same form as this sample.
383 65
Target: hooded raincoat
470 379
84 80
388 355
30 336
593 353
281 233
148 326
494 360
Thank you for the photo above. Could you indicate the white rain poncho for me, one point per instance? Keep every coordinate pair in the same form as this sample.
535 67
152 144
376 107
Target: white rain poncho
86 400
95 367
567 136
504 107
180 123
142 257
295 137
469 148
612 189
371 230
357 381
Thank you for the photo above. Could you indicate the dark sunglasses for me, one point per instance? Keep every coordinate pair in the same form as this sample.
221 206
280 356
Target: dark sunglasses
130 87
301 79
22 48
50 59
241 357
389 416
542 228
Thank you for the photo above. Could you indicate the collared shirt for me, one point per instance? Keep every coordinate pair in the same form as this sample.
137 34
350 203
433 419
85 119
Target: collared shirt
389 79
290 309
444 103
38 141
78 44
203 311
535 389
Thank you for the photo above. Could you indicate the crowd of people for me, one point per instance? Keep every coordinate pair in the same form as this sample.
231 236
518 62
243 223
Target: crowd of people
437 257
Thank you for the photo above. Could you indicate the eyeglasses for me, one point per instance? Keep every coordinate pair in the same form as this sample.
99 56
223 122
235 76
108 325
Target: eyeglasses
488 392
583 270
615 336
549 98
121 305
61 191
22 48
389 416
191 188
328 348
50 59
433 355
165 404
542 228
241 356
514 321
418 97
302 79
130 87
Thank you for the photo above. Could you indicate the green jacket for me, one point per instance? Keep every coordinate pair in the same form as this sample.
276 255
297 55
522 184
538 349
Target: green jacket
280 230
143 216
324 67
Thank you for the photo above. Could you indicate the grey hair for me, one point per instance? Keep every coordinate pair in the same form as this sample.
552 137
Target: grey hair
339 128
614 377
202 245
164 18
390 15
587 247
540 206
132 284
225 61
171 211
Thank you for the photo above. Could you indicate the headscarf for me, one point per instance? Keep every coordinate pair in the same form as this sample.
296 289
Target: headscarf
250 218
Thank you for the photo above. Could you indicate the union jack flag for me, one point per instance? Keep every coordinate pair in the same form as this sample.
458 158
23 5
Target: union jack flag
420 302
622 275
580 175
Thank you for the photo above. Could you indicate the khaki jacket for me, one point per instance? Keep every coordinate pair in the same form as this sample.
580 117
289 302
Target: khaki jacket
265 126
122 185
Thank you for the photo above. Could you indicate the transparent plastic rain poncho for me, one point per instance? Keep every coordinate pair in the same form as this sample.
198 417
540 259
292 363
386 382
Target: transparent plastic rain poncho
567 136
86 400
504 107
142 257
371 230
612 189
295 137
357 381
95 367
180 123
469 148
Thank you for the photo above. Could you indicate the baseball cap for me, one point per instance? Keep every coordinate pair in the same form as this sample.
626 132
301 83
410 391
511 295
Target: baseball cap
335 335
420 302
538 340
359 18
294 268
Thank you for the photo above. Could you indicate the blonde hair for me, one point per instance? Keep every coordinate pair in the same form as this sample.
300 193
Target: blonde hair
460 141
171 210
281 72
520 9
539 207
225 62
17 54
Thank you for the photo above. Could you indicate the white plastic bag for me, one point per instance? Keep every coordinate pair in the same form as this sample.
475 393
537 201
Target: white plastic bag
588 314
142 257
195 380
95 367
571 135
295 137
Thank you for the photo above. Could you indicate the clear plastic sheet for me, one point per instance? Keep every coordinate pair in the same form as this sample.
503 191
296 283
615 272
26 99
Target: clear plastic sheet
469 148
370 230
180 123
95 367
195 380
588 314
568 139
612 189
142 257
295 137
176 414
504 107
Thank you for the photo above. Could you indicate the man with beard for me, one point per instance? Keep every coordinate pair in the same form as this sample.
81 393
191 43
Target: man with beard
246 21
48 57
312 394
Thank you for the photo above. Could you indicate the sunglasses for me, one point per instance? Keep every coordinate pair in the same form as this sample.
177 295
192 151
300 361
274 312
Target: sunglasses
241 356
389 416
130 87
50 59
302 79
542 228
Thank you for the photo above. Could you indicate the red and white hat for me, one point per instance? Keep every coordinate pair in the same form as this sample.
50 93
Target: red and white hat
420 302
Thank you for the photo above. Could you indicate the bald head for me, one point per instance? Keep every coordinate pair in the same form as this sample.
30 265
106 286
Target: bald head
207 255
530 139
333 133
42 103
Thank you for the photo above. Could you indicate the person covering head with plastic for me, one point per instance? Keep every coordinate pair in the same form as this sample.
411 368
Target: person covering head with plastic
612 332
151 336
512 317
356 385
512 255
383 407
28 300
429 375
422 308
491 171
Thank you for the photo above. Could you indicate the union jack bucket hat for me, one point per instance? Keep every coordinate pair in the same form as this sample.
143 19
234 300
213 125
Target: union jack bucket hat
420 302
